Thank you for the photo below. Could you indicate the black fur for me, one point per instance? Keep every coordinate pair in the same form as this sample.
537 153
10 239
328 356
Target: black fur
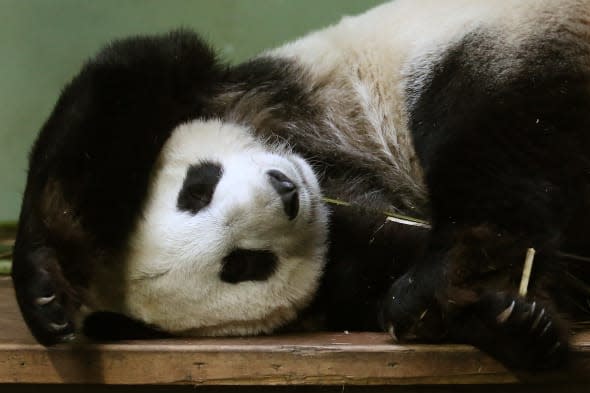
108 326
367 254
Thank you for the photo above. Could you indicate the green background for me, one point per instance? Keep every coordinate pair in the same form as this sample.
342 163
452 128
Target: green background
44 42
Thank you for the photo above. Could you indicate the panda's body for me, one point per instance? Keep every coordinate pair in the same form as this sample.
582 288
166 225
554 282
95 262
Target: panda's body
180 192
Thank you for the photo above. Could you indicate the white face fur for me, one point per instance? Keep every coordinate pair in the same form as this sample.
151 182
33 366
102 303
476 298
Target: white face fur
174 266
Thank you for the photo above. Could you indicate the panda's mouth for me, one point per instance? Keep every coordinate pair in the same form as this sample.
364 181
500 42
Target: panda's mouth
248 265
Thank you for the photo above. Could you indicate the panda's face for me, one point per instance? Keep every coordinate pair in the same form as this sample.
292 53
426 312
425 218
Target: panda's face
233 235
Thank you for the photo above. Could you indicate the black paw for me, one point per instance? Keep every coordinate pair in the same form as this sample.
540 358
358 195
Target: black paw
521 334
410 310
43 304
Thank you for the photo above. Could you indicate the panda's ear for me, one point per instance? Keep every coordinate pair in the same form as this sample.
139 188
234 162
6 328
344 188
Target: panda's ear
179 66
106 131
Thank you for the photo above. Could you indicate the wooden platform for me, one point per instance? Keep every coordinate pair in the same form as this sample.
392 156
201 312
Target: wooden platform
306 359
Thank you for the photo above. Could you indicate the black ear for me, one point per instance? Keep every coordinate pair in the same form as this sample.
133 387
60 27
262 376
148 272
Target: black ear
90 167
105 134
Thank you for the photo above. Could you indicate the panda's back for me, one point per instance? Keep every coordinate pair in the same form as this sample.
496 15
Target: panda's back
370 71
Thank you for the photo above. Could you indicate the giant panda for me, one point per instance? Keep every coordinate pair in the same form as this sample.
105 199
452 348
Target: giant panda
186 196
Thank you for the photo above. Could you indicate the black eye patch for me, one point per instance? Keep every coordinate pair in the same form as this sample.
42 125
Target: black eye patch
199 186
248 265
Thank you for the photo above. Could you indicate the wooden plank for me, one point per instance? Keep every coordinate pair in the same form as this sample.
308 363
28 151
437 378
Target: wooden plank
515 388
302 359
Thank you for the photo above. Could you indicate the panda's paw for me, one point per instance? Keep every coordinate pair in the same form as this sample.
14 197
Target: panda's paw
522 334
49 322
44 307
47 319
410 311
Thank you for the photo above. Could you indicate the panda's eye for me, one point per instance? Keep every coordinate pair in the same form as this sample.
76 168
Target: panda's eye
198 186
248 265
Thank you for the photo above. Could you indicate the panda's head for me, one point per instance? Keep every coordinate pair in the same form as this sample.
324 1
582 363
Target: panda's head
232 237
139 201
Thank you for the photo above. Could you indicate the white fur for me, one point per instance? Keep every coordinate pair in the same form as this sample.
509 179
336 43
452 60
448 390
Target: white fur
175 258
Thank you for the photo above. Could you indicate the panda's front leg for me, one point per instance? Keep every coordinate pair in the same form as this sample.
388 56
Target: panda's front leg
417 294
44 296
466 291
47 300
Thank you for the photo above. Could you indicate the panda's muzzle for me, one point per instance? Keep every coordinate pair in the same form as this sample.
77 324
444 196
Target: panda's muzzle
287 190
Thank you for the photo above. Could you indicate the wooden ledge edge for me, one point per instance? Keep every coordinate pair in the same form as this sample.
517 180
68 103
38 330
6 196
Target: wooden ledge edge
253 363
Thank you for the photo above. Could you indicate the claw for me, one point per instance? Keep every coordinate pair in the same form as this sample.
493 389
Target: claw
423 314
554 348
391 331
504 315
546 328
68 338
41 301
58 326
538 319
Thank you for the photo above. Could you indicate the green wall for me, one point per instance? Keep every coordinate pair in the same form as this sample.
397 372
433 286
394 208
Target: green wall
44 42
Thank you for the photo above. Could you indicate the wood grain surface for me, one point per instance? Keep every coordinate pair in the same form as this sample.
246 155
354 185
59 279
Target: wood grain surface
302 359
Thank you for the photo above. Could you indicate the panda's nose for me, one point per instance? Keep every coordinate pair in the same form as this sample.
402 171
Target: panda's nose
287 190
